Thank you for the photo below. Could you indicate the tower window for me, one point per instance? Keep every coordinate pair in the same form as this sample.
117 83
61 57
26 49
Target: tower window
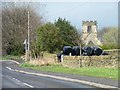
89 29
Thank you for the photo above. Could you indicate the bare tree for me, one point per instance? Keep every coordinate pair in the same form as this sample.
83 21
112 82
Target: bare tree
14 24
109 37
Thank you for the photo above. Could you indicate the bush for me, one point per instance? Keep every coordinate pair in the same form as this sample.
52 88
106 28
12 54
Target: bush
109 46
15 50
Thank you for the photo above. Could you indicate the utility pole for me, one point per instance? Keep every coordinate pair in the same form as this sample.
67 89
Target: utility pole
28 34
28 39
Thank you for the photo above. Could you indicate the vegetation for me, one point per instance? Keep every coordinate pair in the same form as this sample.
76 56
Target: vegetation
43 37
111 73
68 33
14 26
52 37
109 37
9 57
49 38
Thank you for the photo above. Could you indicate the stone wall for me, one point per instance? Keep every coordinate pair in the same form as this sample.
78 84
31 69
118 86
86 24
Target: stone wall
91 61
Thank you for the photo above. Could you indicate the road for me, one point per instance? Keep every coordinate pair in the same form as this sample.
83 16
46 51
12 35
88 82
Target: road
13 79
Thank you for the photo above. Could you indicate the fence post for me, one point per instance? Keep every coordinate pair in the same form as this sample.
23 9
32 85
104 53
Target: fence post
61 58
80 62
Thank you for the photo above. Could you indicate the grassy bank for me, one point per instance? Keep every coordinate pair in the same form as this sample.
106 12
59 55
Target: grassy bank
90 71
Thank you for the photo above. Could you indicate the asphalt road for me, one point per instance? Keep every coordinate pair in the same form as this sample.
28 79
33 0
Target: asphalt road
13 79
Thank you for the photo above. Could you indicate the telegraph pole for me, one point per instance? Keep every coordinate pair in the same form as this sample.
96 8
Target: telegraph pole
28 38
28 34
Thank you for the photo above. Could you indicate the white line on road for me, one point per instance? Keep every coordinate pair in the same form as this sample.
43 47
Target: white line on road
10 68
23 83
20 81
16 79
28 85
10 61
69 79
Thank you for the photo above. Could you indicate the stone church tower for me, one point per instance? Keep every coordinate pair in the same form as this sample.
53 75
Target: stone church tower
89 34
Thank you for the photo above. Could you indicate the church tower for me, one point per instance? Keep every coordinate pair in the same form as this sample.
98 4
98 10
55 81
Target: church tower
89 34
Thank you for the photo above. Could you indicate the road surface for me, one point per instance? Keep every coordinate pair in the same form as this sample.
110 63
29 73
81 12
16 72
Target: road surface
13 79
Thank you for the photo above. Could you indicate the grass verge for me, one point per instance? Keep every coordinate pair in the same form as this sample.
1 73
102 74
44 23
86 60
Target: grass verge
8 57
111 73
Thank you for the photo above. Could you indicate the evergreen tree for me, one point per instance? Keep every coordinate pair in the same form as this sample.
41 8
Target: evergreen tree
68 33
48 38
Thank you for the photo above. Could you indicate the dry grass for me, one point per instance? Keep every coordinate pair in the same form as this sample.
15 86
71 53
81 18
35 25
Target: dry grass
46 60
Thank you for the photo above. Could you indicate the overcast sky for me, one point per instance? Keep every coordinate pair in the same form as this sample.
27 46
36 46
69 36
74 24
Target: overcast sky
106 13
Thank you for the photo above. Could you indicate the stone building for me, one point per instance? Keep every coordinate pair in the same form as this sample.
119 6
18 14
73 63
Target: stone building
89 34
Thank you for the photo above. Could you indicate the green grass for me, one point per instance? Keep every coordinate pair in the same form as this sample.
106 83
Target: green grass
8 57
111 73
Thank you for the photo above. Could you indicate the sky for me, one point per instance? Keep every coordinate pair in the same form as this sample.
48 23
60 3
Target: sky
105 13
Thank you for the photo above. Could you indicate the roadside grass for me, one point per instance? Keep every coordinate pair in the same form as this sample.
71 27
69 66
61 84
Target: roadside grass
111 73
8 57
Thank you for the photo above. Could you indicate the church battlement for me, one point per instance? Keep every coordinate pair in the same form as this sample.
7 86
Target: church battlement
89 23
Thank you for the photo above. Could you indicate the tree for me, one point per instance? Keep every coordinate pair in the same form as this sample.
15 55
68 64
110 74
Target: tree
68 33
48 38
109 36
14 26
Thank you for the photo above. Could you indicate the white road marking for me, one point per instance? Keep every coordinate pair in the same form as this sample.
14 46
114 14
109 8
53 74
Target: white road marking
15 62
20 81
10 61
69 79
16 79
23 83
10 68
28 85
